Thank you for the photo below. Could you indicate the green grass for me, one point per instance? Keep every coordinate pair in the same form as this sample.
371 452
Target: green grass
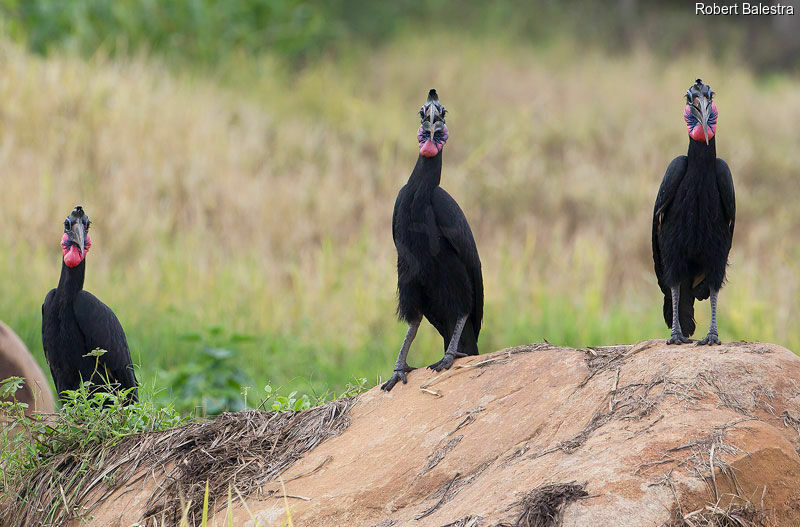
258 199
59 452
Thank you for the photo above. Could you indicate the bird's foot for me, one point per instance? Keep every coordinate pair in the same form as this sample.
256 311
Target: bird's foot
711 339
398 375
446 361
678 338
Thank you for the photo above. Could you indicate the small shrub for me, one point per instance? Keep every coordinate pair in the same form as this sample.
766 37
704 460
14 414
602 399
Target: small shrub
88 422
211 380
287 403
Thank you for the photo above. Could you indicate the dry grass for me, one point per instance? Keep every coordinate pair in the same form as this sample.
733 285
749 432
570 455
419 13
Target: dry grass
738 513
239 451
263 201
544 506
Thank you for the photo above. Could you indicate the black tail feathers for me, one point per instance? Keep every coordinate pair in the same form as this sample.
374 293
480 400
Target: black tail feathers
468 343
685 309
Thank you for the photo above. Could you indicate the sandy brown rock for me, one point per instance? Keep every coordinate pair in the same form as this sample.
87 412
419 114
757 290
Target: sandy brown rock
636 424
17 361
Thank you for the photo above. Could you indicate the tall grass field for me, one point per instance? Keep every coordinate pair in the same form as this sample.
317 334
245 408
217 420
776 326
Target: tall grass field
249 207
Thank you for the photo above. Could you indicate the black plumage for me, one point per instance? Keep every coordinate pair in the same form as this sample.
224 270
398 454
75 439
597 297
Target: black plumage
693 223
438 267
75 322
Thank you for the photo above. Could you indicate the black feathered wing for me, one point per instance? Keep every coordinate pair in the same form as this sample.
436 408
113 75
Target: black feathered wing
666 193
669 185
454 227
48 310
726 193
101 329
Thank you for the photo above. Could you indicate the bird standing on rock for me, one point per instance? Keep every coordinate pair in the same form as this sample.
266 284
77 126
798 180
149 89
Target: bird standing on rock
75 322
693 222
438 268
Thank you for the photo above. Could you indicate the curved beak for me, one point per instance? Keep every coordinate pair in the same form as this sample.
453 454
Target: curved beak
77 235
702 109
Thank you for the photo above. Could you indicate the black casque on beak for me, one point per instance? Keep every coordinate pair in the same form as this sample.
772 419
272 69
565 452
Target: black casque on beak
699 97
76 226
432 114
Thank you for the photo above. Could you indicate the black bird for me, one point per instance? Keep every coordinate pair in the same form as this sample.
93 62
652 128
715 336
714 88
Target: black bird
438 268
693 222
75 322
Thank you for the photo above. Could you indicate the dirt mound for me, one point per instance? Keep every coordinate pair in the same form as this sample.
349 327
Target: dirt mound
644 435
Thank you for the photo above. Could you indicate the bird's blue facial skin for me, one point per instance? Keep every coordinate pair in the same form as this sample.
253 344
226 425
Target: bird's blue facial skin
694 125
431 146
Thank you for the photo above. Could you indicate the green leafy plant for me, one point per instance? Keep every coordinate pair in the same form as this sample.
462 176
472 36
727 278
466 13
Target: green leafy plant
87 417
10 406
285 403
211 379
76 438
273 400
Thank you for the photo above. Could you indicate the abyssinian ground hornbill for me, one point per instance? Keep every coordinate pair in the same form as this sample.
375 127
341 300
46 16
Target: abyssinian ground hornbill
75 322
438 268
693 222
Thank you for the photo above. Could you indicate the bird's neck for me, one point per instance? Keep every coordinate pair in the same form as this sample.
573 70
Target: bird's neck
427 173
71 281
703 156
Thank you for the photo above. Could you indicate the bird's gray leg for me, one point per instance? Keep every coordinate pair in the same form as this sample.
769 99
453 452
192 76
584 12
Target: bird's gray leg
713 335
677 334
452 348
401 367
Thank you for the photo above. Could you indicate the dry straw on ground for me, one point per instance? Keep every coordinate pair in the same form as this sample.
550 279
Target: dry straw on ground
544 506
240 451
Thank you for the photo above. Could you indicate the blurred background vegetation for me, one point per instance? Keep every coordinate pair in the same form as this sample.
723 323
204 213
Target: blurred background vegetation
240 160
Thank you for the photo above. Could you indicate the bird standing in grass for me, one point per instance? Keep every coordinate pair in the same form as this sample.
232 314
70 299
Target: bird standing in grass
693 222
75 322
438 268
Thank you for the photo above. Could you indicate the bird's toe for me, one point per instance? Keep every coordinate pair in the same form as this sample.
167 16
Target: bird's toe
678 339
436 366
444 363
398 375
388 385
711 339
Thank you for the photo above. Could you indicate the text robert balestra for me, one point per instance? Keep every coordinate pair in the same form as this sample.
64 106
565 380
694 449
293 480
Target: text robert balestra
744 8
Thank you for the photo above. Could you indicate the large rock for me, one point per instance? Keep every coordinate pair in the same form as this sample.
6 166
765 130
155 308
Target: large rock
17 361
515 435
